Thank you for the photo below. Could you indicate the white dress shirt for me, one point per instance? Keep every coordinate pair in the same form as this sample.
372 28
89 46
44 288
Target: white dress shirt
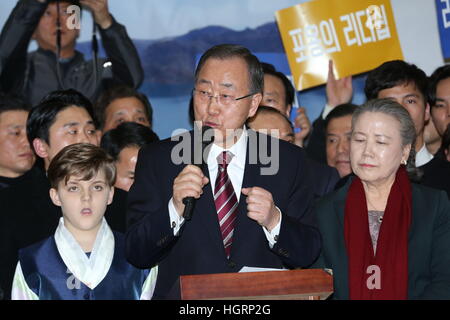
423 156
235 170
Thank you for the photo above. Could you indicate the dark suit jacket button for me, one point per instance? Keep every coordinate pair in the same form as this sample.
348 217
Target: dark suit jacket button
283 252
231 264
86 296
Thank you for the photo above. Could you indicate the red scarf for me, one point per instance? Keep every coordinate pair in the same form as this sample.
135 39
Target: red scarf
391 259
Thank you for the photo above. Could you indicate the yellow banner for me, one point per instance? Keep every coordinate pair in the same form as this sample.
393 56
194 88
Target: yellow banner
358 35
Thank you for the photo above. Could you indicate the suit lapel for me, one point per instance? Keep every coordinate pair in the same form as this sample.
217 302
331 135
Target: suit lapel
419 211
339 204
340 250
416 208
339 211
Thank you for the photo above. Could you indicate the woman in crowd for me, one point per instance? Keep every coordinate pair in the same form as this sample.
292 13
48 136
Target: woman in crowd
383 236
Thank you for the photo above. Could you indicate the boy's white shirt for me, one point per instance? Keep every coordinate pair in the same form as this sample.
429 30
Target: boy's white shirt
20 289
89 270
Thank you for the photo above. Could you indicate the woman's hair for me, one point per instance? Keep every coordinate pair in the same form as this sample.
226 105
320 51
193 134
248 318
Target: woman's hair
407 130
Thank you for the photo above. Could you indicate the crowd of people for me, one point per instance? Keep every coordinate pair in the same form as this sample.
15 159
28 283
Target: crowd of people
93 204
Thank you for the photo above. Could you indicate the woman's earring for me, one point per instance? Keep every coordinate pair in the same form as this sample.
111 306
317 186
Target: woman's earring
404 162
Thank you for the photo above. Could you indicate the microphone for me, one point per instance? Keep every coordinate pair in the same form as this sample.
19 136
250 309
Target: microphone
189 202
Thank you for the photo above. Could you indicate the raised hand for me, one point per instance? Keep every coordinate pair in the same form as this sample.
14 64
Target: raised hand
100 10
302 122
338 91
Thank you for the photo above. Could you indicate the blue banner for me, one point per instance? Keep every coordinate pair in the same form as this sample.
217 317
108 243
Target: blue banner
443 15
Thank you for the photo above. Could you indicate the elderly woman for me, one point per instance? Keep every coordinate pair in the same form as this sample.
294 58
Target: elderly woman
383 236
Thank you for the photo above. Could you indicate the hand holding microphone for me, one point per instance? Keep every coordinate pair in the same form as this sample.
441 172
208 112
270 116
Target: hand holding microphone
188 185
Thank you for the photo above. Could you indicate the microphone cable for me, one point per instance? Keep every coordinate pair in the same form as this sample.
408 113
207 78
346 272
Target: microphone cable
58 46
94 53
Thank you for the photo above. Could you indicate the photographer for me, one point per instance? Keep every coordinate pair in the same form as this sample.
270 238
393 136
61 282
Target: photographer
56 64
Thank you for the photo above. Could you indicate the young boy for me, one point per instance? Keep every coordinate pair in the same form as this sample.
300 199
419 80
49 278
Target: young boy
84 259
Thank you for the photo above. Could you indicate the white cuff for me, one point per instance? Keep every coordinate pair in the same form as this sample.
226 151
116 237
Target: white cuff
272 236
175 220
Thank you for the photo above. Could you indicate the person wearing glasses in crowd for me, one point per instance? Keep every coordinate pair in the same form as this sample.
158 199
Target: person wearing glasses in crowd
243 216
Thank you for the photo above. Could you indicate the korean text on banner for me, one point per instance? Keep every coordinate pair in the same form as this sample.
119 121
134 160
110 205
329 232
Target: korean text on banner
443 16
358 35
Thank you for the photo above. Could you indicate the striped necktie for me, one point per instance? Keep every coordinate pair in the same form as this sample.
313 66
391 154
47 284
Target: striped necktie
225 201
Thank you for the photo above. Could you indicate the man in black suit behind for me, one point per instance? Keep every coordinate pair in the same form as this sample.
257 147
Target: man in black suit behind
270 202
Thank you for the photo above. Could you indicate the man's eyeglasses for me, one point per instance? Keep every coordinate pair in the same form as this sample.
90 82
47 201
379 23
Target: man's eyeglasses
221 98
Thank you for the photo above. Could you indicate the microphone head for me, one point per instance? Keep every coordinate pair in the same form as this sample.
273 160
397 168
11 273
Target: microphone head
207 135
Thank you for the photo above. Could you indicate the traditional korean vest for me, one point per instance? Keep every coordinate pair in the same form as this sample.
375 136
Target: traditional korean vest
48 276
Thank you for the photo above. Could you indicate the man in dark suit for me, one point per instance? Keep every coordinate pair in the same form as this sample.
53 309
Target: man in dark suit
436 172
243 216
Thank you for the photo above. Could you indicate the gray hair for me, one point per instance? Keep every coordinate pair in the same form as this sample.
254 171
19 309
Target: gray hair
407 129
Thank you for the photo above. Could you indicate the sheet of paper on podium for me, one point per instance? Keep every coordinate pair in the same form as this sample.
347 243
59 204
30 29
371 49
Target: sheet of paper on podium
256 269
358 35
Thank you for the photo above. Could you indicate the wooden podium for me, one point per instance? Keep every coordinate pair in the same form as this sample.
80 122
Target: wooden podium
308 284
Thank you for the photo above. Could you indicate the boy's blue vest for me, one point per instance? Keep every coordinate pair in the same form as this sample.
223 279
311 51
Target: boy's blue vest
48 277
